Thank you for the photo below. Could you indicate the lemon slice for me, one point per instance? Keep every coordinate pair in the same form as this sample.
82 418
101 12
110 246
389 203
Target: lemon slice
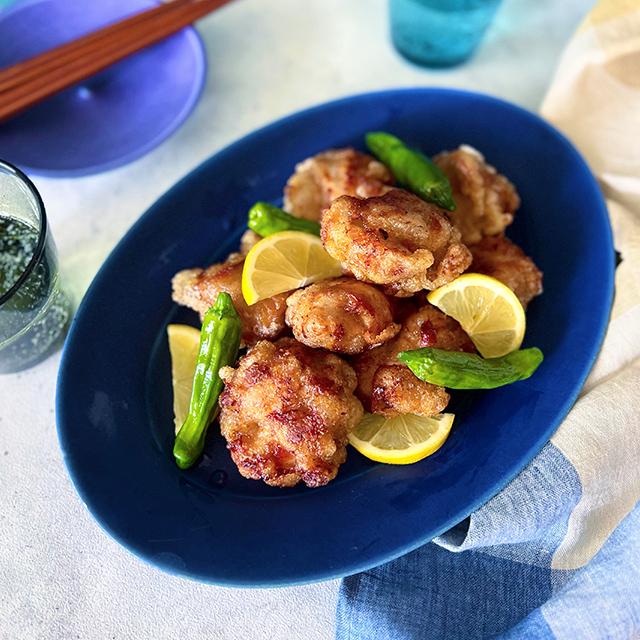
487 310
284 261
184 343
401 440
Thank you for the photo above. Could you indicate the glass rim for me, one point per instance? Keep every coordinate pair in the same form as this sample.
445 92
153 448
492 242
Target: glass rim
42 235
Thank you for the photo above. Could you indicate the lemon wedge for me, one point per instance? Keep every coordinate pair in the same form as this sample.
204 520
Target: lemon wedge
487 310
284 261
401 440
184 343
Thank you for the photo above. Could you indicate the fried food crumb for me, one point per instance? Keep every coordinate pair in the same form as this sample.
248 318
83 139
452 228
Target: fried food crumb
249 240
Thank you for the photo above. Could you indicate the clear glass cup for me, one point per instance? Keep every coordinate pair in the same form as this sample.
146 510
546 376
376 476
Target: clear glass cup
34 310
439 33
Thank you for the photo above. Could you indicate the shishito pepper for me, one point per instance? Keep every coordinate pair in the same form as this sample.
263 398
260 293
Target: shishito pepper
412 169
460 370
219 343
266 219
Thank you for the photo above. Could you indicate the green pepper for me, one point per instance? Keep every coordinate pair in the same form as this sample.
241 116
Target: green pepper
219 343
412 169
459 370
265 219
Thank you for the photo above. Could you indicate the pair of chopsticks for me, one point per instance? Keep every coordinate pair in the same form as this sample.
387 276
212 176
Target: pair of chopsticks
27 83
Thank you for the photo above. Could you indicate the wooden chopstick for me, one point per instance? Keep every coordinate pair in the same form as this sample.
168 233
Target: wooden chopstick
52 59
127 37
43 76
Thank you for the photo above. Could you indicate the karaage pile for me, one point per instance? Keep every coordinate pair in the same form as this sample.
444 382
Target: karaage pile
289 404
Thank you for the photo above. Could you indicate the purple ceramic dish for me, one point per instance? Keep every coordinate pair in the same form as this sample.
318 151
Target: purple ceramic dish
110 119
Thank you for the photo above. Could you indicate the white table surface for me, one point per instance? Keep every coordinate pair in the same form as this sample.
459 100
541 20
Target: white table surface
61 576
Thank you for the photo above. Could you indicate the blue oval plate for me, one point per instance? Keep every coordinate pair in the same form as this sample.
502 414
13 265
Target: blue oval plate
110 119
210 524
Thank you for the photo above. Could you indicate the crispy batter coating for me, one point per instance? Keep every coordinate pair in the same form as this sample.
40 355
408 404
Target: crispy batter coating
500 258
396 390
198 290
286 411
485 200
342 315
319 180
395 240
387 386
249 240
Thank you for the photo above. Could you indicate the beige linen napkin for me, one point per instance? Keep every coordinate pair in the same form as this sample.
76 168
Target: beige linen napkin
595 101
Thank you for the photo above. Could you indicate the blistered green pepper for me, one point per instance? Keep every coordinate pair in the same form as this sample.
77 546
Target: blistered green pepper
266 219
412 169
459 370
219 343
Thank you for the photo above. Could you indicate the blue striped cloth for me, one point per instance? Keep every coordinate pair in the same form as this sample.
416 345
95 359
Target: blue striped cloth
556 554
499 583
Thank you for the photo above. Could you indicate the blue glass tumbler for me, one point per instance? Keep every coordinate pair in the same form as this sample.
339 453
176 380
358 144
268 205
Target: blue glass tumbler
439 33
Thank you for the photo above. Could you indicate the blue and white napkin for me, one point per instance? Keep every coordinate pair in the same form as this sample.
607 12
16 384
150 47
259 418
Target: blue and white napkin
556 554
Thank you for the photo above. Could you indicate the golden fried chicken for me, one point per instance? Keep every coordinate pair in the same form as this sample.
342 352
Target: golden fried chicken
319 180
395 240
485 200
341 315
286 411
198 290
499 258
387 386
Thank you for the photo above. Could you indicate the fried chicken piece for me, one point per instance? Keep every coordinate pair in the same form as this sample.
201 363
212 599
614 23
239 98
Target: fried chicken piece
499 258
198 290
396 390
286 411
395 240
387 386
319 180
341 315
485 200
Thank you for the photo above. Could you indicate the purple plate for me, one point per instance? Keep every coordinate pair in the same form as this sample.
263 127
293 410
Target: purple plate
110 119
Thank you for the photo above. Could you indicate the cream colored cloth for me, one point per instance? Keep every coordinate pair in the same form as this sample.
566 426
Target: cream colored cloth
595 101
